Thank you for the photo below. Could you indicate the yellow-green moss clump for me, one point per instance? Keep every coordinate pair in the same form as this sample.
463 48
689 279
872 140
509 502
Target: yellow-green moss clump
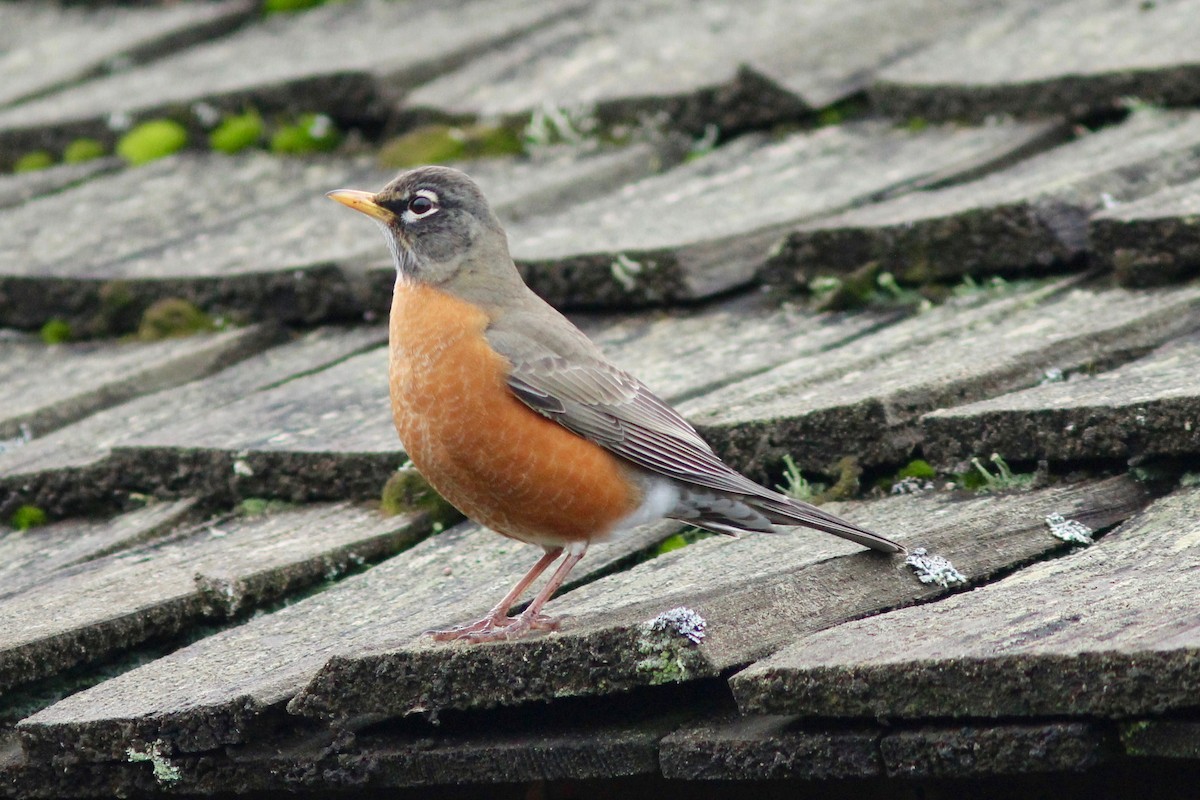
284 6
152 140
439 144
236 133
31 162
27 517
55 331
407 491
173 317
312 133
82 150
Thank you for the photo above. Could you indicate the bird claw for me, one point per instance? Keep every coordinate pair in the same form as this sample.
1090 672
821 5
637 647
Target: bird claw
492 628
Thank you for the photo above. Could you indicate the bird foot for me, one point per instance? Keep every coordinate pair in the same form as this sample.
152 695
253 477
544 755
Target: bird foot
493 628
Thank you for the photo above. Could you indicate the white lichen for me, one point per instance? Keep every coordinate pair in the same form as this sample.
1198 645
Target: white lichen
934 568
911 485
241 468
681 621
164 770
1052 375
1069 530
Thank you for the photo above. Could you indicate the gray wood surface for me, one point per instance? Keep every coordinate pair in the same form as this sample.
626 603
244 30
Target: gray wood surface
1027 219
70 45
1153 240
44 387
758 594
33 556
782 748
274 248
71 469
18 187
1051 58
759 63
231 686
706 227
1149 407
866 399
216 570
1107 630
352 67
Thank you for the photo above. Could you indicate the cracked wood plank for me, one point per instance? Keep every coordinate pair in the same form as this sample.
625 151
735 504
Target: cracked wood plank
1153 240
1149 407
1103 631
866 400
44 48
216 570
788 748
757 594
1049 59
71 470
707 226
352 69
270 247
44 387
233 686
1029 218
693 65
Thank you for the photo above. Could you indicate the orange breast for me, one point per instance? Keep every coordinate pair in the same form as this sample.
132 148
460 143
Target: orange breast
485 451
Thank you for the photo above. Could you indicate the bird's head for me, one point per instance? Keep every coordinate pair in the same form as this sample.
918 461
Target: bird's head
438 225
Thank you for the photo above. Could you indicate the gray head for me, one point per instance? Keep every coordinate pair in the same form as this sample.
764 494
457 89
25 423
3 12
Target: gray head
438 225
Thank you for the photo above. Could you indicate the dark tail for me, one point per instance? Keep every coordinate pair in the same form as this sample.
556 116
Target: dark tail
785 511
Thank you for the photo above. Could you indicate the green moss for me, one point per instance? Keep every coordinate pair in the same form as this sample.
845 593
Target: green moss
285 6
980 479
32 162
795 485
311 133
82 150
152 140
661 660
917 468
846 486
689 535
440 144
916 124
236 133
164 770
28 516
173 317
842 111
407 491
261 506
55 331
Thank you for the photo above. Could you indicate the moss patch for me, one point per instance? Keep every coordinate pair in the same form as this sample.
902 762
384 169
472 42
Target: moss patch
407 491
28 516
311 133
32 162
82 150
173 317
236 133
152 140
55 331
440 144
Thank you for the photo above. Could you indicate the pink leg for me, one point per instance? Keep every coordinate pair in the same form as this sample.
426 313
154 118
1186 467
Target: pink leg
497 619
532 618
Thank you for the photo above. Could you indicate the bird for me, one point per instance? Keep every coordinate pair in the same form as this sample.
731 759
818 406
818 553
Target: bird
519 420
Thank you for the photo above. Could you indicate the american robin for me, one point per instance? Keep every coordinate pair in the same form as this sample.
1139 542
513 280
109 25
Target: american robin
520 421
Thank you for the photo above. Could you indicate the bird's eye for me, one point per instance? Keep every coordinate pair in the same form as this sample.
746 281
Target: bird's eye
423 203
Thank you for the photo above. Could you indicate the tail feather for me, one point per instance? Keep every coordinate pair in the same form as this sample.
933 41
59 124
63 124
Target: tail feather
785 511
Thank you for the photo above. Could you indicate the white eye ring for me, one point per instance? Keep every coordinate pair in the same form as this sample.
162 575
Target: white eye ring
411 215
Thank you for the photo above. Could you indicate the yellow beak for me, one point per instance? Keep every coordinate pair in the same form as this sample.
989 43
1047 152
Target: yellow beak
361 201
